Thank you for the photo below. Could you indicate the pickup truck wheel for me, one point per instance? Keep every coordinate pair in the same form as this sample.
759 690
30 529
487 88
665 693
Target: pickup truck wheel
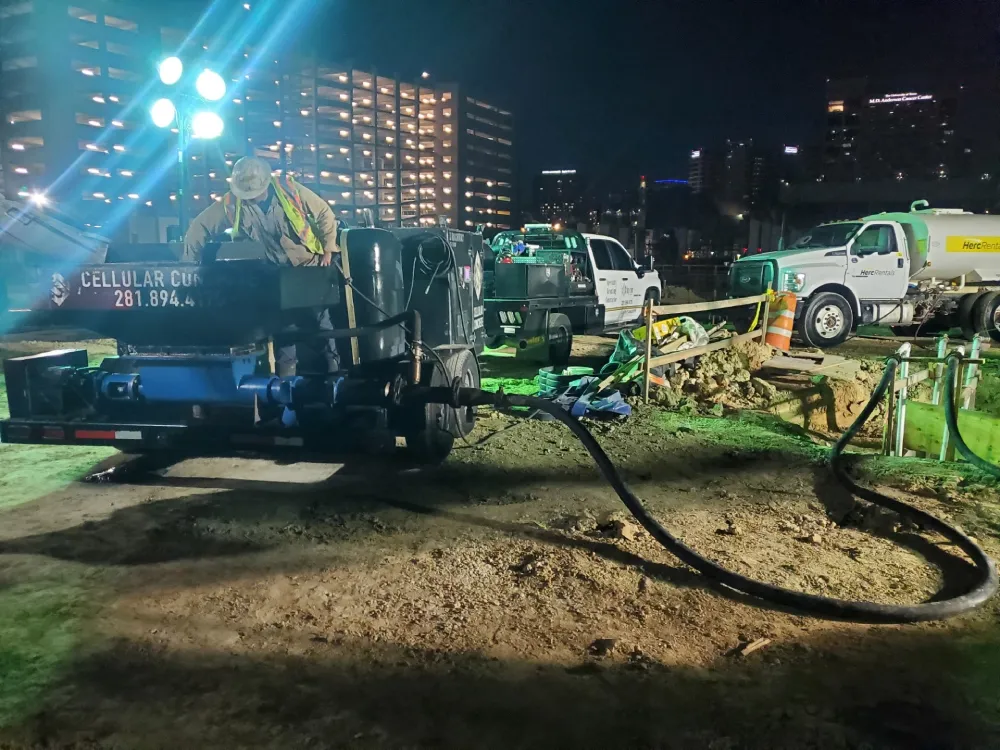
560 338
966 317
986 315
827 320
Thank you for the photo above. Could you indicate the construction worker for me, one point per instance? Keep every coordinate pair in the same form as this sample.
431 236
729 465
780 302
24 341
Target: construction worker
295 226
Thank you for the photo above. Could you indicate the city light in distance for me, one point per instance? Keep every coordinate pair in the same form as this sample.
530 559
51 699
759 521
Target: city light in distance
558 171
171 70
163 113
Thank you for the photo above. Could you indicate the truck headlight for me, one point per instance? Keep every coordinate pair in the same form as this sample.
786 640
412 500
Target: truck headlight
793 282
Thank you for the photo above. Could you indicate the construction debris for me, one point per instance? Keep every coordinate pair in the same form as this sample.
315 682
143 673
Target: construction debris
720 378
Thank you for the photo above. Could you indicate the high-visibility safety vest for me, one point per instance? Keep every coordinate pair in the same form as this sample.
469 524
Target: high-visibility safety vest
295 210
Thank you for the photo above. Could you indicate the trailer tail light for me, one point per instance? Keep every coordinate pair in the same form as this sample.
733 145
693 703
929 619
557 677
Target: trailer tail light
53 433
95 434
109 435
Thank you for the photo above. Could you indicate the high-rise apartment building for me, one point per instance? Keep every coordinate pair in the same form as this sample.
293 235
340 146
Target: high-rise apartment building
73 125
76 125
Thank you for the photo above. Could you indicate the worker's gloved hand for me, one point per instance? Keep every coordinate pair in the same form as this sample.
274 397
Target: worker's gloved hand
326 259
289 418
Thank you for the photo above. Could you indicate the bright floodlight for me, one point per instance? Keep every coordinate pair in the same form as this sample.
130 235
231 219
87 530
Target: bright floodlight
210 86
163 113
39 199
171 70
206 125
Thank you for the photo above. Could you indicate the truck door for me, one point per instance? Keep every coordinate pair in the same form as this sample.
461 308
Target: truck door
632 290
606 280
878 268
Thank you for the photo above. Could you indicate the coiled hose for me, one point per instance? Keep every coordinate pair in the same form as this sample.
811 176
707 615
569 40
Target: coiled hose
820 606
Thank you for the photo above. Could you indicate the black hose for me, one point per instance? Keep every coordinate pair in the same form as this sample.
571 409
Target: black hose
951 419
811 604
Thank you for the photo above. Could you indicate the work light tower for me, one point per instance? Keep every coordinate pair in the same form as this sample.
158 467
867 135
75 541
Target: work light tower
192 118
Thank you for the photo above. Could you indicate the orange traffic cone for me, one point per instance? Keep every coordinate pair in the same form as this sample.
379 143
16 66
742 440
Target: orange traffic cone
781 321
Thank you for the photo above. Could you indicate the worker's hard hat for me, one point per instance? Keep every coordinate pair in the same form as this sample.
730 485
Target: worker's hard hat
251 176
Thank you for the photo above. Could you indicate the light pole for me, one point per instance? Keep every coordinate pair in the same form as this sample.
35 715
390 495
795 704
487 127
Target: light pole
192 121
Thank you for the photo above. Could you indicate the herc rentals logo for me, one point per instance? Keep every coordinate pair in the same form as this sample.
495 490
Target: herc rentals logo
972 245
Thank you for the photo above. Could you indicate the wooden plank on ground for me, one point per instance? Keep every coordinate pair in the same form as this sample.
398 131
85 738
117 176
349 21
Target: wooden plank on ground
674 310
699 351
925 425
832 366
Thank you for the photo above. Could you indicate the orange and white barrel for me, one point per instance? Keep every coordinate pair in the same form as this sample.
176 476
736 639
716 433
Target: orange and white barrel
781 321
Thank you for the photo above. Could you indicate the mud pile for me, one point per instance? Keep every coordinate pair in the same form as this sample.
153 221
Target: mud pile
720 379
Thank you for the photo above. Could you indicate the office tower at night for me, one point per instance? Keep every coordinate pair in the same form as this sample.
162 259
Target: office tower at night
558 196
76 125
741 174
878 133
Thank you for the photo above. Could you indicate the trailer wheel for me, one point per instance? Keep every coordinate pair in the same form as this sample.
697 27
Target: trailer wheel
827 320
966 318
435 426
986 315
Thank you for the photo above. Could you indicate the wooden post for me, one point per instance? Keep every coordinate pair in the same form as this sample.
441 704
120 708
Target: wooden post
646 369
766 315
352 320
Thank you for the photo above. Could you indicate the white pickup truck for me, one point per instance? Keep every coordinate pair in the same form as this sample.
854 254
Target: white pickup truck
544 284
926 269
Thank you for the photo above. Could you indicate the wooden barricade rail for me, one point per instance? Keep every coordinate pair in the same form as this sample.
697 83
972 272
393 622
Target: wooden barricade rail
695 307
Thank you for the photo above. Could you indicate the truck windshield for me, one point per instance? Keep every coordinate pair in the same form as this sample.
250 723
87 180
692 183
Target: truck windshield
827 235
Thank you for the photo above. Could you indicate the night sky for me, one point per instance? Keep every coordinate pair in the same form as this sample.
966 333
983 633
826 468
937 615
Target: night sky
624 87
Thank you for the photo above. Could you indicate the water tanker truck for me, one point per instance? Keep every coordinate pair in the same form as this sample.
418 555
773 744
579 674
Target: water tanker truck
927 269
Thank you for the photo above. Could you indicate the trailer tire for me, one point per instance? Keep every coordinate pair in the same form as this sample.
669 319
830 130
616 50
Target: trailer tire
435 427
986 315
966 307
827 320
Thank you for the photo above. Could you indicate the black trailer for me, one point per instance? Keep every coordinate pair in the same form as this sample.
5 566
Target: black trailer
197 374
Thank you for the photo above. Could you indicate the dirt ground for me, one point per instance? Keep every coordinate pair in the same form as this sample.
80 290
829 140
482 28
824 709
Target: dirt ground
502 600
